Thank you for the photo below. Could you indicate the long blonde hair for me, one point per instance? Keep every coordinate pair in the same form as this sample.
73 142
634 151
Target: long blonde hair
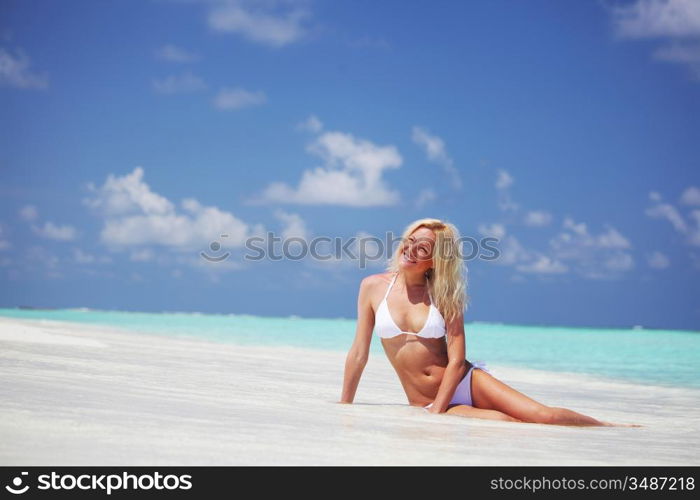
446 279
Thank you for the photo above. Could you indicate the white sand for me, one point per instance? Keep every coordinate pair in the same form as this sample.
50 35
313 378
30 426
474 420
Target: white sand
85 395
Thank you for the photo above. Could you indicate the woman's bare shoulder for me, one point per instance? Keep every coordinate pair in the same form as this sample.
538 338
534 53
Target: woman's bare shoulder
374 285
374 280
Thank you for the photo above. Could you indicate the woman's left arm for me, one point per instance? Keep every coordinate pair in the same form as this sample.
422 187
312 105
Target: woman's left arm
454 372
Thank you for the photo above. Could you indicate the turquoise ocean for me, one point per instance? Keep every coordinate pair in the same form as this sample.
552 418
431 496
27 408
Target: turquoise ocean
656 357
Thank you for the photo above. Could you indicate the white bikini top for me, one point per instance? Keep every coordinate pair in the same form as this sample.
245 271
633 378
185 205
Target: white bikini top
385 327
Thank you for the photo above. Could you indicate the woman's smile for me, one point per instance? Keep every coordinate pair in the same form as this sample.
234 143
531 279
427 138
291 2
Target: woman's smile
407 259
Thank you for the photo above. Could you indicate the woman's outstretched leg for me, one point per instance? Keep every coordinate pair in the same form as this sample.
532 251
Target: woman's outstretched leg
491 394
470 411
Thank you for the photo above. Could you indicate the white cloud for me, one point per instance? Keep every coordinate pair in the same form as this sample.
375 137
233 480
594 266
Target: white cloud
128 194
681 54
538 218
690 228
573 249
694 233
511 251
351 175
611 238
237 98
668 212
494 230
294 225
504 181
55 232
272 22
619 262
82 257
142 255
179 84
657 260
691 196
674 21
15 72
425 196
543 265
436 152
658 18
48 230
175 54
135 216
678 53
179 230
29 213
311 124
593 256
579 228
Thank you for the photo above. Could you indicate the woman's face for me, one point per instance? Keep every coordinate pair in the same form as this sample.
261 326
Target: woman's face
417 250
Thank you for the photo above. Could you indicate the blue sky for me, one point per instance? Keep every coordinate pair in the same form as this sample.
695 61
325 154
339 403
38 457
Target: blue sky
135 133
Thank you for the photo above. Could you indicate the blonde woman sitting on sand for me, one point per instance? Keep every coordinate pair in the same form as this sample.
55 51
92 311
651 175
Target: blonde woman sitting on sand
417 309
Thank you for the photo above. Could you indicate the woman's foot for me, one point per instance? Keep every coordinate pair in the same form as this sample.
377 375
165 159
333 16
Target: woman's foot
610 424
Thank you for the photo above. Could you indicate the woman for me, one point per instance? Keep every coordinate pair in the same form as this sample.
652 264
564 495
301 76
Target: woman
417 308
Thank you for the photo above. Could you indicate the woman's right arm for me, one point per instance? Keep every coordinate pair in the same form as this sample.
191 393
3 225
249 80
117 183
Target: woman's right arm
359 352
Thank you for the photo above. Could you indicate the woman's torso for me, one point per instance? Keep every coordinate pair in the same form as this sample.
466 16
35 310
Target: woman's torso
419 362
